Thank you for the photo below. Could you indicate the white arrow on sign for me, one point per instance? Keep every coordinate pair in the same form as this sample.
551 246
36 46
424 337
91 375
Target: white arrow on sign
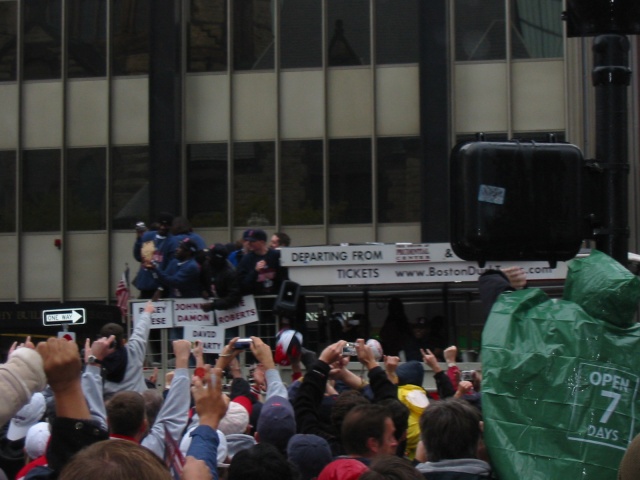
63 316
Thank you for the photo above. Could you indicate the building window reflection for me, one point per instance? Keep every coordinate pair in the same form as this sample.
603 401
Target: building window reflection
130 37
129 186
301 180
8 40
254 183
397 31
350 181
480 30
253 37
301 34
536 31
399 174
8 191
207 36
42 28
40 201
85 189
87 35
207 180
348 33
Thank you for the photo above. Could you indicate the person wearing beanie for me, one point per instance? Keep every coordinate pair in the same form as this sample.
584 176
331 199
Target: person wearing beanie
20 377
222 278
343 469
309 453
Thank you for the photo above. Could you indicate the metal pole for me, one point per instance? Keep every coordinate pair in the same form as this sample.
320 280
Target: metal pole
611 77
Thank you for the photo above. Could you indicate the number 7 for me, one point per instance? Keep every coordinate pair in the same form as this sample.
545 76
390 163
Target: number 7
612 406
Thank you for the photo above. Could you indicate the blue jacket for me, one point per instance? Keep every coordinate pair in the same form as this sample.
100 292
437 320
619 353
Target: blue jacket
164 248
182 278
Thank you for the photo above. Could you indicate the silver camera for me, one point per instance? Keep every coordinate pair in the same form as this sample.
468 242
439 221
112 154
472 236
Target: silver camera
349 350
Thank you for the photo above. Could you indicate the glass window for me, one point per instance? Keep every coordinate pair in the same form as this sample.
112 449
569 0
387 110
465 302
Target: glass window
399 174
397 31
40 190
207 191
86 187
130 186
301 181
42 39
350 181
8 191
480 30
130 41
348 33
8 40
254 184
87 30
207 37
536 29
253 47
301 34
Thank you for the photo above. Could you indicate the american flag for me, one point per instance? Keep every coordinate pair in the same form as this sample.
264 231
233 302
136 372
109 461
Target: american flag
122 293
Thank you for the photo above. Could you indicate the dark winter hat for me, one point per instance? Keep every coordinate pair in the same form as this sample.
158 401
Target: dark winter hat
277 422
410 373
165 218
420 322
310 453
218 251
188 244
256 235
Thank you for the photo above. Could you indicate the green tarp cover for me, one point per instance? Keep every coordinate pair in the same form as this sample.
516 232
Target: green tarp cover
560 385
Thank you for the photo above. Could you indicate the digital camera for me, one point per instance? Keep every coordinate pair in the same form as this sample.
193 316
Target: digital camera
349 350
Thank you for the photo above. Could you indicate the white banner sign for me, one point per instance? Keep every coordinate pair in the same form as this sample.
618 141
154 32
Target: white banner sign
212 338
244 313
373 254
188 311
161 318
426 273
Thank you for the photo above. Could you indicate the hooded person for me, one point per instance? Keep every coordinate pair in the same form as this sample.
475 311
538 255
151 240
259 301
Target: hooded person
410 393
309 453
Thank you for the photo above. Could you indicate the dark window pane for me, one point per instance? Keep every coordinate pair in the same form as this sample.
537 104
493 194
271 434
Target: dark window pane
480 30
254 184
8 191
86 187
536 30
87 29
301 179
350 181
207 37
130 186
8 39
130 43
540 137
399 162
207 191
477 137
41 190
253 35
348 33
397 31
301 34
42 39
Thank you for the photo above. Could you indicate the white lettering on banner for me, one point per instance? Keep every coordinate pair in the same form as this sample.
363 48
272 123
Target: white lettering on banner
161 318
212 338
429 273
188 311
603 409
243 314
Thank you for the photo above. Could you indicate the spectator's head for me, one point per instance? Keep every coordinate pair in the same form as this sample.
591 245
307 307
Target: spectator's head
343 404
126 415
186 249
180 225
27 417
164 223
368 431
116 330
387 467
236 420
35 444
410 373
400 417
257 241
309 453
420 327
263 461
280 239
153 401
115 460
277 423
218 254
343 469
450 430
630 464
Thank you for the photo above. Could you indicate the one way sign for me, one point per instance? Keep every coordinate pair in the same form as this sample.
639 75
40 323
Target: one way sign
75 316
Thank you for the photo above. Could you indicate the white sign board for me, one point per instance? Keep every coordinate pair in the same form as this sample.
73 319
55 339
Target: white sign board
212 338
188 311
161 318
66 316
243 314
